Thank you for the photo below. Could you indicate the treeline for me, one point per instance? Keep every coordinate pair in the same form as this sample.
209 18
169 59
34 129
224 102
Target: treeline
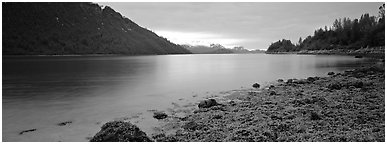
367 31
76 28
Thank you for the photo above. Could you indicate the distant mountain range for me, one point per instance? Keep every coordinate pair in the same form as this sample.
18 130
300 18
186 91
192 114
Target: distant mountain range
76 28
218 49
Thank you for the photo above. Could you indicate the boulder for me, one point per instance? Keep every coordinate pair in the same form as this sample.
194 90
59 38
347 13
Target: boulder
272 93
331 73
311 79
207 103
289 81
160 115
280 80
271 86
119 131
256 85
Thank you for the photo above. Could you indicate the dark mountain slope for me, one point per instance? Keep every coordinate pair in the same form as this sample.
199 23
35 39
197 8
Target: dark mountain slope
76 28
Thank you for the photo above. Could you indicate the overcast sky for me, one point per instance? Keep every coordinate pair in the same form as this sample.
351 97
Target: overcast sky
252 25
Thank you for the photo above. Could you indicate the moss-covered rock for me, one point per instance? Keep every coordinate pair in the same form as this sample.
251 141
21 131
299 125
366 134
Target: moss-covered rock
207 103
118 131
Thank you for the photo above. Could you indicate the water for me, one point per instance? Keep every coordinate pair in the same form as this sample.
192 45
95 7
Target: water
40 92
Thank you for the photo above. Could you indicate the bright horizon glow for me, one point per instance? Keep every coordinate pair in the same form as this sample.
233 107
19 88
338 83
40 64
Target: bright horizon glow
198 38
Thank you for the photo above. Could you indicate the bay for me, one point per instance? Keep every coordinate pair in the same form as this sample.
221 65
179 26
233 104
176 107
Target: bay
41 91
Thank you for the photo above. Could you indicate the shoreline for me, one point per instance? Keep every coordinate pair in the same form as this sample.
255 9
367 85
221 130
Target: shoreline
91 55
374 52
346 106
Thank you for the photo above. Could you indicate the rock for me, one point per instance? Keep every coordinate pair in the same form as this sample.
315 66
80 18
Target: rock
243 135
280 80
269 103
256 85
207 103
119 131
348 71
253 93
271 86
163 138
333 86
272 93
314 116
201 111
64 123
331 73
217 117
357 84
184 118
219 107
358 56
232 103
311 79
276 117
160 115
192 126
351 87
289 81
300 81
30 130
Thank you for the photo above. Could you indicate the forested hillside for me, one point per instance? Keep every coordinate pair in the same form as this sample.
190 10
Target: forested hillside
76 28
367 31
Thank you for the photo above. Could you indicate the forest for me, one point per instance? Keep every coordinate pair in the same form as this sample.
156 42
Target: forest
367 31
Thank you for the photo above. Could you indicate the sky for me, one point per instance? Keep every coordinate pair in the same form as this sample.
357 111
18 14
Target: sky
253 25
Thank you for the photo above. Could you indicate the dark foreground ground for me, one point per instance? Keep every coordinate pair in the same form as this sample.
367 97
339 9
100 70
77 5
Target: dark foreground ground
347 106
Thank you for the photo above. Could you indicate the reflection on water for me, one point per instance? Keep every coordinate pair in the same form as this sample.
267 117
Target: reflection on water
39 92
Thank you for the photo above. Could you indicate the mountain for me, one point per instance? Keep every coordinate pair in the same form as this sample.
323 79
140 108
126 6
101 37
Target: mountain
76 28
199 49
219 49
212 49
242 50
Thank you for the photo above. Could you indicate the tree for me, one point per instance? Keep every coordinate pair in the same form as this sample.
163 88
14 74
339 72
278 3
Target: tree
300 41
337 25
381 12
345 33
282 46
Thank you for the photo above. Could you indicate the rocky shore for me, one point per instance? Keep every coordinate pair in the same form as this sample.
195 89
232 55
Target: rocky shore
348 106
376 52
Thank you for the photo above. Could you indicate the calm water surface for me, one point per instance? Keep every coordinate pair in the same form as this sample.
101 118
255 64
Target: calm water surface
40 92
